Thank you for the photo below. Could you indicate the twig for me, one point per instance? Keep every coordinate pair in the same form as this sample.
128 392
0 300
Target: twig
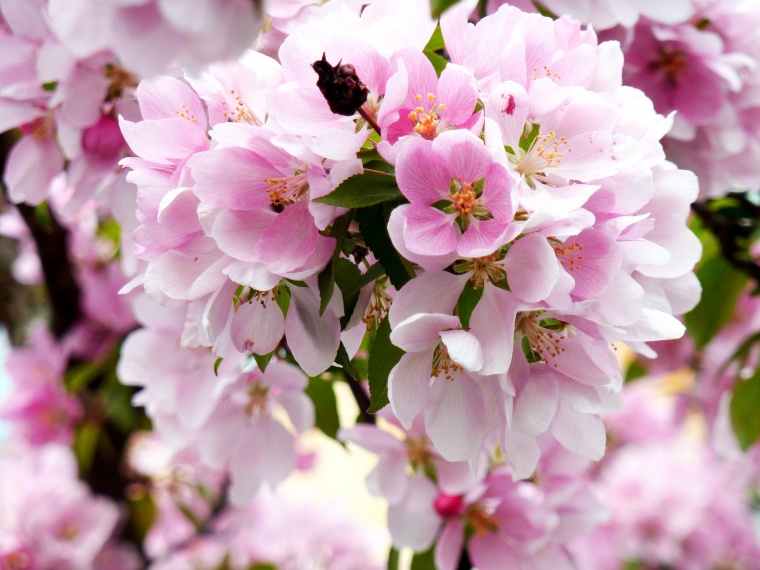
52 247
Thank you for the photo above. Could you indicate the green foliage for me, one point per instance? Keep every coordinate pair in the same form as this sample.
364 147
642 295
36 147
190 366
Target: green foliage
374 227
393 559
438 7
347 278
439 62
322 394
383 356
435 43
367 189
467 302
348 366
85 445
721 284
325 279
745 403
262 360
424 560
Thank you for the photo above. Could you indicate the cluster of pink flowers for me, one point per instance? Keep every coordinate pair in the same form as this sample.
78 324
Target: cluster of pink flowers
50 519
270 530
700 59
564 220
481 511
673 501
485 210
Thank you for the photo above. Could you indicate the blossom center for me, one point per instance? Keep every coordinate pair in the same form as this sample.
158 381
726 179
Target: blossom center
426 122
546 151
569 255
442 363
240 112
68 531
15 561
464 197
542 335
483 269
417 452
672 63
379 305
42 129
257 400
184 112
482 519
287 190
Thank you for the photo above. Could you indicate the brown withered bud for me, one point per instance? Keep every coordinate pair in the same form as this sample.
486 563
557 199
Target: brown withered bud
341 87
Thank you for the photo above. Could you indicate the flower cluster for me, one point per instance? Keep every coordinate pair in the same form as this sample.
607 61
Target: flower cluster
544 226
674 502
700 59
72 535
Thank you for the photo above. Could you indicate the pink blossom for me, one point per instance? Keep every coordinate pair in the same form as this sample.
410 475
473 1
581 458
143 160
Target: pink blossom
458 169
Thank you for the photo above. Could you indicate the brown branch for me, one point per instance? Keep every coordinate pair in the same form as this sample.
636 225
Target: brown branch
52 239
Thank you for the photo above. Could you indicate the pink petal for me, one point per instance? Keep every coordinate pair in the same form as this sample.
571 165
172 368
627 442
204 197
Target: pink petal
415 297
413 521
536 405
582 434
532 269
289 241
493 322
233 178
448 549
256 328
466 157
593 259
455 417
429 231
421 331
482 238
422 172
463 348
457 91
238 232
409 384
313 339
31 167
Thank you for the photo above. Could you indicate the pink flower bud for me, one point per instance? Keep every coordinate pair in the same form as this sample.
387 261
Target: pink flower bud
449 506
103 139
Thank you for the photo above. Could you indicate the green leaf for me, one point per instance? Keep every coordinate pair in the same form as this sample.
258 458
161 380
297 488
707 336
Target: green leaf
326 417
50 86
381 166
424 560
374 228
721 284
347 278
435 42
217 362
467 302
439 62
745 403
383 356
85 443
367 189
119 409
393 559
544 11
343 359
262 566
262 360
635 371
438 7
282 298
325 279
